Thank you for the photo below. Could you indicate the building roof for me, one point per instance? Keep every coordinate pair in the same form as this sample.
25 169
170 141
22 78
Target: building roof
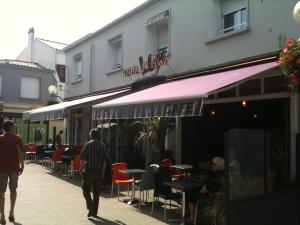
53 44
14 62
134 11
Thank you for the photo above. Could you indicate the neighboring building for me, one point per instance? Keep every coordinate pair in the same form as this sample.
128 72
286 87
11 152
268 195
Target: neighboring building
48 54
23 86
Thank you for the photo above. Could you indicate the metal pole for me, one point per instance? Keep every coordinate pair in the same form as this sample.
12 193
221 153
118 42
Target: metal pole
28 131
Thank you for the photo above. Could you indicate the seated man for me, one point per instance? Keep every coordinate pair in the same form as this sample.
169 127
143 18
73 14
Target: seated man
213 183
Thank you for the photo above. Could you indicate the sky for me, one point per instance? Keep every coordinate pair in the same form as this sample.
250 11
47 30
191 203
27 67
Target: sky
58 20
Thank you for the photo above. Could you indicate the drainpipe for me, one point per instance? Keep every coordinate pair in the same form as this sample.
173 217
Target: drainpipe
91 67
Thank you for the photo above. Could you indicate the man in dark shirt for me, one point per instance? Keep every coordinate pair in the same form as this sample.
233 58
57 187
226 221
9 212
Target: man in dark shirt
93 161
11 166
58 138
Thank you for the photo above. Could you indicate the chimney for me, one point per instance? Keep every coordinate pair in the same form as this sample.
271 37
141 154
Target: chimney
30 42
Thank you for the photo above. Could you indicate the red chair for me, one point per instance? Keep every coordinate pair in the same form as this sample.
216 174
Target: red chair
175 174
120 178
75 164
56 158
30 151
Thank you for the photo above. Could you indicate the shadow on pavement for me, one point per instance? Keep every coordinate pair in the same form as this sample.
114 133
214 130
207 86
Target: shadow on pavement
103 221
16 223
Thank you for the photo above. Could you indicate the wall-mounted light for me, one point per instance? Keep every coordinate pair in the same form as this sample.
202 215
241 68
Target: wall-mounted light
212 112
244 104
255 116
52 90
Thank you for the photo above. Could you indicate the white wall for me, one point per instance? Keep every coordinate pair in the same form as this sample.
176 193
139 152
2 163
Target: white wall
193 40
44 55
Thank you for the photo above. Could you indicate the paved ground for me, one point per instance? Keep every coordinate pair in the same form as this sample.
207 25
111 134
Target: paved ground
47 198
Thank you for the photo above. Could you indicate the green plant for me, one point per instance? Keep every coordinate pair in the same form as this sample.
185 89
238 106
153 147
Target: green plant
216 211
154 130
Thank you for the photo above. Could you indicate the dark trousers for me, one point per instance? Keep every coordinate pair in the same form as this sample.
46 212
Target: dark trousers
91 181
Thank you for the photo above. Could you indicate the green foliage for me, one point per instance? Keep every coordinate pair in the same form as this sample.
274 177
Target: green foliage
154 130
22 129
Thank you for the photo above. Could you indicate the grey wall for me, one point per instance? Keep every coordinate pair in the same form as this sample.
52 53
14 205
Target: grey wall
11 83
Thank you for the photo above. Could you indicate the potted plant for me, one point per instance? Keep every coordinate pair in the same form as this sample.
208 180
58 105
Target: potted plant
289 61
154 131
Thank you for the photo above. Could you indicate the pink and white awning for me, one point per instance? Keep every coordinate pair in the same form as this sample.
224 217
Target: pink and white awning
175 98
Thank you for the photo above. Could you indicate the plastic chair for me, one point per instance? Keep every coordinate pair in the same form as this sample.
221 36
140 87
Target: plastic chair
120 178
30 152
56 158
160 190
144 184
74 167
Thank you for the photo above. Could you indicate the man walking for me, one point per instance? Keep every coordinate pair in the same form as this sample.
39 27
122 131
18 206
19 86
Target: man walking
11 166
93 161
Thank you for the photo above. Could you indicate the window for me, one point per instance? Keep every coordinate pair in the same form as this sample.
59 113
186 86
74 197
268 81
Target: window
30 87
116 53
233 15
0 85
158 32
61 71
251 87
77 68
275 84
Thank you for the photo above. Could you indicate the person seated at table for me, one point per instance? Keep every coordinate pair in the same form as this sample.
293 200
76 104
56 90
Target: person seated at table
213 181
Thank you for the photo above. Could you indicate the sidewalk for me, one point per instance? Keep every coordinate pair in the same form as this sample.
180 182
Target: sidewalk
46 198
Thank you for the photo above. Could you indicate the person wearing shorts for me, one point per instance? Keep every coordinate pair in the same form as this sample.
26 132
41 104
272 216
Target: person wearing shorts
11 166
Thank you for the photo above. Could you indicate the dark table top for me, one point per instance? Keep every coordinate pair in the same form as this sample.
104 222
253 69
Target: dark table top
184 184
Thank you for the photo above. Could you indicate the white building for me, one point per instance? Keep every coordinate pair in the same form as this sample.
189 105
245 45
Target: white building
48 54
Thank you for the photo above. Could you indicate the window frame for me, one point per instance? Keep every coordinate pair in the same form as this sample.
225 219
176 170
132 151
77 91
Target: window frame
114 65
236 27
153 25
77 77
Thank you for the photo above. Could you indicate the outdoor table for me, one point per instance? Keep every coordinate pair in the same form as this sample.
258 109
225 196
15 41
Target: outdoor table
183 185
132 173
183 167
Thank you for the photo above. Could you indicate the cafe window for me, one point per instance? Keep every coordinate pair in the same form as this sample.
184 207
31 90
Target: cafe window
228 93
274 84
251 87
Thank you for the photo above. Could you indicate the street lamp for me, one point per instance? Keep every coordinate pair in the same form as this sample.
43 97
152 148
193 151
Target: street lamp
52 90
296 12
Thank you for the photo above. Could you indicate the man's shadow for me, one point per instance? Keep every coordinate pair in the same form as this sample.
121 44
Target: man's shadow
103 221
16 223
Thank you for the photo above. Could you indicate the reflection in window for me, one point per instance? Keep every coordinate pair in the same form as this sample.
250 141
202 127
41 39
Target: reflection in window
246 165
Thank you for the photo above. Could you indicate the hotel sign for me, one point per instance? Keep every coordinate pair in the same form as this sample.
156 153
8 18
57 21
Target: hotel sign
153 63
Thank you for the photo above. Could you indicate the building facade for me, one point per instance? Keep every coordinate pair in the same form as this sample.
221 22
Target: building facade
195 37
